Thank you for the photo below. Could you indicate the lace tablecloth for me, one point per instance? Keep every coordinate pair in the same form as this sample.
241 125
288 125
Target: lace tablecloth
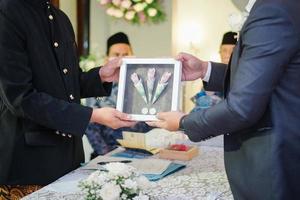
203 178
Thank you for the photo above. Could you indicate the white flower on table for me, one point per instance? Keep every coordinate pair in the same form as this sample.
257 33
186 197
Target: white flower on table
101 179
143 182
141 197
92 177
117 181
119 169
130 184
110 191
124 196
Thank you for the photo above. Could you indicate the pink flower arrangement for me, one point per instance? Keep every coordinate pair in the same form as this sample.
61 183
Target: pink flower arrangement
135 11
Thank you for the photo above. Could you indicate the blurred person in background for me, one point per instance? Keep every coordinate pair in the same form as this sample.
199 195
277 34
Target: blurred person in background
205 99
103 138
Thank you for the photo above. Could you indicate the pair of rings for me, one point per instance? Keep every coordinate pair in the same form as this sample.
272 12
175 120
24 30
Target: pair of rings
151 111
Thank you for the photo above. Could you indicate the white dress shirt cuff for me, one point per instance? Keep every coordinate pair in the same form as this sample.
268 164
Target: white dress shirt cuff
208 72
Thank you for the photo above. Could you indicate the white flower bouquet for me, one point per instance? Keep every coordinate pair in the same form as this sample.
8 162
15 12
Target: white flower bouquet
117 181
135 11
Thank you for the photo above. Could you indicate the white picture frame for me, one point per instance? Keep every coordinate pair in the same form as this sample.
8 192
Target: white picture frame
129 99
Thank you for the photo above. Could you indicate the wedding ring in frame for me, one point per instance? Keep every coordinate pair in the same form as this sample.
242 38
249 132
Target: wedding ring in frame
152 111
145 111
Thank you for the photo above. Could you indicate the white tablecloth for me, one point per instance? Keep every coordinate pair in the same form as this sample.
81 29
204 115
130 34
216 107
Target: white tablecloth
203 178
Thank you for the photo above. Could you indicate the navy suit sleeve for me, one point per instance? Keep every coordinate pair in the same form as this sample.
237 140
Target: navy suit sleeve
269 41
217 77
19 95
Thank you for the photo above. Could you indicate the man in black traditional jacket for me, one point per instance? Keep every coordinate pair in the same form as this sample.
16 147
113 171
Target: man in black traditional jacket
41 119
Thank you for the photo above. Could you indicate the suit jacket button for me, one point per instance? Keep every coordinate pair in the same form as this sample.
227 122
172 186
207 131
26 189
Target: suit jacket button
64 135
72 97
55 44
69 135
50 17
65 70
57 133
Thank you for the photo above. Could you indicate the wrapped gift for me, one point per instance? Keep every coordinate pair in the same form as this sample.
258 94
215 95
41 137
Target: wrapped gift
179 152
148 86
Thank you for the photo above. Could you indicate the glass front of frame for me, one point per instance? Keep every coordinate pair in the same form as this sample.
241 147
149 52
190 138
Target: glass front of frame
149 86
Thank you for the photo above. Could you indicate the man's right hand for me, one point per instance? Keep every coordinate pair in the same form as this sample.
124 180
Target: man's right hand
192 67
111 117
110 71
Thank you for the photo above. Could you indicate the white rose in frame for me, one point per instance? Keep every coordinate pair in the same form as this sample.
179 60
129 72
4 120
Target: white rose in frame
126 4
130 15
149 1
110 191
152 12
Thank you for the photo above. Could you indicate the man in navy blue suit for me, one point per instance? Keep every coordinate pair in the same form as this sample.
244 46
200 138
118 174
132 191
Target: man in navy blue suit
260 116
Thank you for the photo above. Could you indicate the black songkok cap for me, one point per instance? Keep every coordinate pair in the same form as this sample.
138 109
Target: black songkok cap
230 38
117 38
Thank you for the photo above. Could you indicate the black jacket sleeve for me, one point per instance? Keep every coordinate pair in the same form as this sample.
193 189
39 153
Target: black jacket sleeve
20 96
92 86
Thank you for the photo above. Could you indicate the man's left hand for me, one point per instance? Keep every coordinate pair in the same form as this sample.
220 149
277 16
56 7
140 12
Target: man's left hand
168 120
111 70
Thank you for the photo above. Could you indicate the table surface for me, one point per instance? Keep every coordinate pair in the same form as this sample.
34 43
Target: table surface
203 178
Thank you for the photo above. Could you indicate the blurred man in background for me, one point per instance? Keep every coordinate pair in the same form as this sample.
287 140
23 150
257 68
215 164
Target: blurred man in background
103 138
229 41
